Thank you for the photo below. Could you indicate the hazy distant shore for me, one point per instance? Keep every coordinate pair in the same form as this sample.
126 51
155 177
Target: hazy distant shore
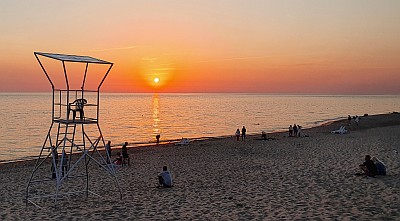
303 178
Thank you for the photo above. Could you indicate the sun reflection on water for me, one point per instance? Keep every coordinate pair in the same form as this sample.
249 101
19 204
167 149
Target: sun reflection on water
156 118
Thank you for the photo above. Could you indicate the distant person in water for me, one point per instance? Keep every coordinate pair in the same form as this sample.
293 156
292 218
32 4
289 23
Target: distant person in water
380 166
165 178
237 134
243 133
368 167
290 131
158 138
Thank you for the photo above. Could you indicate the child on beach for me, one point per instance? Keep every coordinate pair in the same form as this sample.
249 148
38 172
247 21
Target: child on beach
164 178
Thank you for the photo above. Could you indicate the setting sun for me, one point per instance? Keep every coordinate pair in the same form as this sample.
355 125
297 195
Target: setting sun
156 80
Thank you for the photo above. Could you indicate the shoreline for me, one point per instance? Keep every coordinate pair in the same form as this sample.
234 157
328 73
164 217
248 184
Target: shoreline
323 124
327 125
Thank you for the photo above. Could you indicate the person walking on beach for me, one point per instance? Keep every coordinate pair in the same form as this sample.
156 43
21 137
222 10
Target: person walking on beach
243 133
237 134
108 151
165 178
125 155
290 131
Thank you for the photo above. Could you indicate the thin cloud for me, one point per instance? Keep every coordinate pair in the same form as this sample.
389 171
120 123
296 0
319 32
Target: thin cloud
239 58
149 59
114 49
163 69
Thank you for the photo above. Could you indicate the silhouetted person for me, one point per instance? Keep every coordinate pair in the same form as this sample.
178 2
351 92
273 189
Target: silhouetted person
54 162
295 130
125 155
108 151
368 167
158 138
243 133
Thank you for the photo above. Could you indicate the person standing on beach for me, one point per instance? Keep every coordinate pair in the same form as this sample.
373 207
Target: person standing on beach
243 133
108 151
299 131
64 161
54 162
290 131
295 130
125 155
349 119
237 134
165 178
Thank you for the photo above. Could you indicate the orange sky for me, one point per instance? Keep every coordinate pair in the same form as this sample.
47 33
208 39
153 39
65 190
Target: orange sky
288 46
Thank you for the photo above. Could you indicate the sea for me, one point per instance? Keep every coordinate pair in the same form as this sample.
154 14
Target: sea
137 118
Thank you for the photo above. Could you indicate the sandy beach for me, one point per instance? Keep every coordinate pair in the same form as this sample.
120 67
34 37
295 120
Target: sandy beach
284 178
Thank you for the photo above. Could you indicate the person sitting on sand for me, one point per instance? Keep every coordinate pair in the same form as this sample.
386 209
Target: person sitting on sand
164 178
380 166
368 167
118 160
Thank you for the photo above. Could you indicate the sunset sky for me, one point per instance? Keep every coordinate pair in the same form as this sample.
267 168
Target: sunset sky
246 46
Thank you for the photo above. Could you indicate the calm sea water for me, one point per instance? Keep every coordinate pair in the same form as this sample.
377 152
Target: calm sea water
137 118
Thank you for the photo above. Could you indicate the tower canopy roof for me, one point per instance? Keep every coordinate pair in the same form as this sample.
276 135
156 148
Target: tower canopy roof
73 58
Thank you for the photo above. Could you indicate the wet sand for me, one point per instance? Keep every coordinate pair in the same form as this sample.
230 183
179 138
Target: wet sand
284 178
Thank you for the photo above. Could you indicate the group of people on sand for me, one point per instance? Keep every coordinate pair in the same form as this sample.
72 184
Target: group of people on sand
295 131
122 157
372 167
237 133
164 178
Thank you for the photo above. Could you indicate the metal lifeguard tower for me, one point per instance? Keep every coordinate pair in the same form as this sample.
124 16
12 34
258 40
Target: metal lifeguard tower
74 137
